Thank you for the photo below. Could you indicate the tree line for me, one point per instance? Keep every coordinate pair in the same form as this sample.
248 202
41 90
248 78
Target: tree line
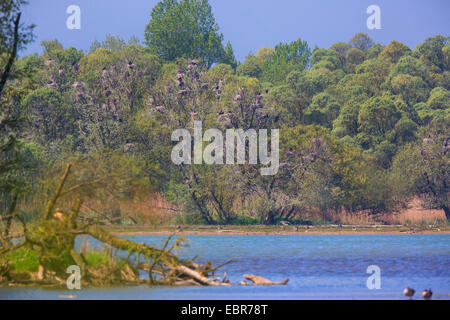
363 126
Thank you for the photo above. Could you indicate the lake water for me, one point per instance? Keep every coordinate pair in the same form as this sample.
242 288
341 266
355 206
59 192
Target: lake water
318 266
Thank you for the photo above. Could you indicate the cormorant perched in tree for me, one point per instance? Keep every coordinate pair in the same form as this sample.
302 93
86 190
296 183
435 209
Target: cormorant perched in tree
160 109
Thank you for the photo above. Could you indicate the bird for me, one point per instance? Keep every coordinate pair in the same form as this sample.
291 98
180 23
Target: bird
105 72
51 85
58 215
426 294
283 165
192 64
256 106
160 109
79 84
107 92
408 292
225 116
75 65
289 153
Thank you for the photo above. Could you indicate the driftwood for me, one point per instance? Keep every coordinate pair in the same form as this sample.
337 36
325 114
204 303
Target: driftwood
197 276
260 281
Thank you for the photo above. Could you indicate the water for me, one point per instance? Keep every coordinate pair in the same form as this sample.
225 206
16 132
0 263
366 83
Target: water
318 266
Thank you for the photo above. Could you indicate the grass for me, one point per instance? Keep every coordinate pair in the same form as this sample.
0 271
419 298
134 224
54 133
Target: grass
100 257
23 260
97 258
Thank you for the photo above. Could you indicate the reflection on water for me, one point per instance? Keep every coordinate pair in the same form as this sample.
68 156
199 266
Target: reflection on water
318 266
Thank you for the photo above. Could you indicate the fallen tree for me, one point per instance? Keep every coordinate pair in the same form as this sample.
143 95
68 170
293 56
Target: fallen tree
53 239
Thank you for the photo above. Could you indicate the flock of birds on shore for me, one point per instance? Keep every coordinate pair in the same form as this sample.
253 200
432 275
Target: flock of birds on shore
426 294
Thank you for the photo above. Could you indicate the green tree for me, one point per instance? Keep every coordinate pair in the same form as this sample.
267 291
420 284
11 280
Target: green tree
14 36
361 41
394 51
47 115
285 59
431 52
422 169
412 89
185 29
228 56
439 99
376 118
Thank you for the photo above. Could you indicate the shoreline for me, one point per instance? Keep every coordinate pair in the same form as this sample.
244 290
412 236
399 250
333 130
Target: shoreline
277 230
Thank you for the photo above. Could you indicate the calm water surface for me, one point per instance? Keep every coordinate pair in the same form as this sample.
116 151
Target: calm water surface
318 266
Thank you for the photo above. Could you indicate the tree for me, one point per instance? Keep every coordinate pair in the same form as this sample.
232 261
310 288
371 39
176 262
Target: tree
422 169
361 41
431 52
185 29
323 110
353 58
47 115
376 117
251 67
439 99
394 51
228 56
412 89
322 58
341 48
13 36
285 59
375 71
409 65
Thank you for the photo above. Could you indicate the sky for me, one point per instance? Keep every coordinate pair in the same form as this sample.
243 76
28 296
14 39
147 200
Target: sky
247 24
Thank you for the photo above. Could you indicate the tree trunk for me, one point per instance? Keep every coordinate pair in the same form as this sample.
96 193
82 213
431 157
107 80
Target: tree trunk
131 246
12 55
447 212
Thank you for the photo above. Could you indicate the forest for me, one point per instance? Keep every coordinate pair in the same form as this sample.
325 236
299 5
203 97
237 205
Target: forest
364 127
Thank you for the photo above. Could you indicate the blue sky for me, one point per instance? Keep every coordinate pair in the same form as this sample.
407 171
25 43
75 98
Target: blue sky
247 24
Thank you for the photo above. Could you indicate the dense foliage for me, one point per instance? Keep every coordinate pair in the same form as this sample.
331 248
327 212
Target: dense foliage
363 126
